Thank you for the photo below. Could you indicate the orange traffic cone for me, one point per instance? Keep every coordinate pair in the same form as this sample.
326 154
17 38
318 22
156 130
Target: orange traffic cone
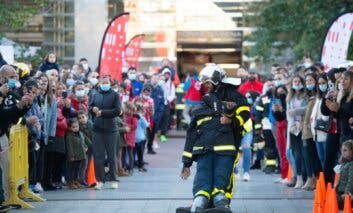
347 204
318 199
322 183
290 173
334 204
91 177
328 198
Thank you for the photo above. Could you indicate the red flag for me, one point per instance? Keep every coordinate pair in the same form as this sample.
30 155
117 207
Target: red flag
133 51
113 47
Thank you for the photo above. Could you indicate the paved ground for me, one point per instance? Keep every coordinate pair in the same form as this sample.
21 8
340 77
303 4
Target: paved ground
160 190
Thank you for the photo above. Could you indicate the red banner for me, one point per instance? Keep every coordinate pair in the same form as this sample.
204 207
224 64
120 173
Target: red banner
113 47
133 51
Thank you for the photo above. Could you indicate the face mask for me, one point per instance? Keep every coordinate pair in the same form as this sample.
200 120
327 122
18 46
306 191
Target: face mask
310 87
132 77
145 96
251 78
161 83
278 83
80 93
105 87
306 65
70 82
18 84
85 66
93 81
250 101
297 88
340 86
86 90
11 83
116 90
323 87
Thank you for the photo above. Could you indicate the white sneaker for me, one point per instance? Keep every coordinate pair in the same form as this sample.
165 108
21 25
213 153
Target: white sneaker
155 146
279 180
114 185
246 177
99 186
38 187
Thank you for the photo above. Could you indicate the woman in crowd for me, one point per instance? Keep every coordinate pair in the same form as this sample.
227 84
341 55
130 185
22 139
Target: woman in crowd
296 106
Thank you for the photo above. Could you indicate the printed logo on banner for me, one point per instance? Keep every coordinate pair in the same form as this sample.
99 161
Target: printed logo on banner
133 51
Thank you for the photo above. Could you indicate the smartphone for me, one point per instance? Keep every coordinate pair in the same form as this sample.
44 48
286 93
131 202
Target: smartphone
278 101
64 94
331 86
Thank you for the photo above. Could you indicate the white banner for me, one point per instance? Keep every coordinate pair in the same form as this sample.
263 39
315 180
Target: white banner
335 48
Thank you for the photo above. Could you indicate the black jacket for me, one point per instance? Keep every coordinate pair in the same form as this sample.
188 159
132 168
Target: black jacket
46 65
207 134
109 103
9 113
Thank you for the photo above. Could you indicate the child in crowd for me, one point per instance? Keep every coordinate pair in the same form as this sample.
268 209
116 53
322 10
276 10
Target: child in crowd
345 182
123 129
76 152
141 137
86 127
131 121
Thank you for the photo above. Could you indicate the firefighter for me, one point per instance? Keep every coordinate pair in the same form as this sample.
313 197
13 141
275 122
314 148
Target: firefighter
263 137
212 141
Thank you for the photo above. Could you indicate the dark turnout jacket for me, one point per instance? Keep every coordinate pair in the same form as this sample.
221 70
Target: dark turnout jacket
109 103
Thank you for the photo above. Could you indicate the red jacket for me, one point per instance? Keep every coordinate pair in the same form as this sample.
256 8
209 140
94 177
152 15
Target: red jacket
61 124
248 86
194 91
131 122
81 104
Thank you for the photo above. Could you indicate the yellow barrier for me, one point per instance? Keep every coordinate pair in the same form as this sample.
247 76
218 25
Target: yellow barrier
19 168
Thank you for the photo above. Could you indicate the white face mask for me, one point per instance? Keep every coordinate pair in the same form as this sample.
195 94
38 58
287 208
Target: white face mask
80 93
145 96
85 66
93 81
86 90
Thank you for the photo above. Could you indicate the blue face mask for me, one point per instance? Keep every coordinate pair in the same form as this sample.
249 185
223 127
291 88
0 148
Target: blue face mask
132 77
161 83
323 87
310 87
297 88
250 101
80 93
278 83
105 87
70 82
11 83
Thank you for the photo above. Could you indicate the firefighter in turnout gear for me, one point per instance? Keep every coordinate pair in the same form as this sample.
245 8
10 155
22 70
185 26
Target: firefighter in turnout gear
263 137
212 141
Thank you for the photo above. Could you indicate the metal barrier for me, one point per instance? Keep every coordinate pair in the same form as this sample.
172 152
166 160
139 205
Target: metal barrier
18 168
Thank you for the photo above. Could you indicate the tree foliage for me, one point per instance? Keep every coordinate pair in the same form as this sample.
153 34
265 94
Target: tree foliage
297 24
14 14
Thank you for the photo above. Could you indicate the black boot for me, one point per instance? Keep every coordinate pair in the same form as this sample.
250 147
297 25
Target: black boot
269 169
256 165
188 210
218 210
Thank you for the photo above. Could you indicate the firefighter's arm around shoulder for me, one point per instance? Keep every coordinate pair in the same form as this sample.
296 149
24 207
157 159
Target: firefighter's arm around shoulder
241 114
191 136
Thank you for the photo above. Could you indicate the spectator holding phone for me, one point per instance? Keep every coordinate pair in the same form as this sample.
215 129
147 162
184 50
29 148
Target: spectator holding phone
342 109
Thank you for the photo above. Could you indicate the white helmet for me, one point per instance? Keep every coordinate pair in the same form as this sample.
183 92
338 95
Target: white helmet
212 73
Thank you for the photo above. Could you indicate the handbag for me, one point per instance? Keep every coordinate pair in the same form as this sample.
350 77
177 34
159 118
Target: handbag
323 125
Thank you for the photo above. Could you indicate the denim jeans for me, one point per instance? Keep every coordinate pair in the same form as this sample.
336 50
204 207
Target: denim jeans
246 149
321 151
297 146
291 160
312 162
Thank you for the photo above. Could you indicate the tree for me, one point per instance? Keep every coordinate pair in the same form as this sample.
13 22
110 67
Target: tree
297 24
16 13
